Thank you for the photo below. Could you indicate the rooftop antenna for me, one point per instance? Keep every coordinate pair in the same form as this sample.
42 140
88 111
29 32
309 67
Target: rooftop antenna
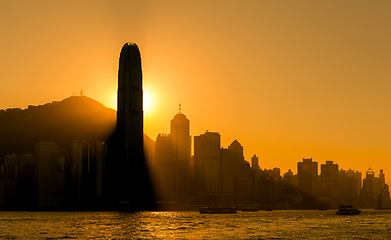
179 105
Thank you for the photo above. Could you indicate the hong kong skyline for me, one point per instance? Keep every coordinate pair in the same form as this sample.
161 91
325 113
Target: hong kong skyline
302 79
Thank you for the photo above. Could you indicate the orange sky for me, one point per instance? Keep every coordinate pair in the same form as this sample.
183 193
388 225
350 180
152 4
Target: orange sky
287 79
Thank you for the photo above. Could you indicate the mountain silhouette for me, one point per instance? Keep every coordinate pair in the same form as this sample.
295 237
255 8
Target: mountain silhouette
74 118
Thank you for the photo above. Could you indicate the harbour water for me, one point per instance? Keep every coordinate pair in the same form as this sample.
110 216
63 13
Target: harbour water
282 224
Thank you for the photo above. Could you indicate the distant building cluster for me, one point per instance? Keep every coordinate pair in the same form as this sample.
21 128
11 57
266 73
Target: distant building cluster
80 176
221 176
54 177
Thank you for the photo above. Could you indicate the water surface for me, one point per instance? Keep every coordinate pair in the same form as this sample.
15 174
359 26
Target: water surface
284 224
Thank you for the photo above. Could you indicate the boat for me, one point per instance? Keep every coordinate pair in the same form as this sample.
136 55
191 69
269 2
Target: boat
217 210
347 210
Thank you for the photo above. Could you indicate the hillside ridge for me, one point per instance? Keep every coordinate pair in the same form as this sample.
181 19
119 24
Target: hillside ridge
61 122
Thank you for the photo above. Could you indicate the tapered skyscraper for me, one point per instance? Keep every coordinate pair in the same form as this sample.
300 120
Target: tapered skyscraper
132 183
130 105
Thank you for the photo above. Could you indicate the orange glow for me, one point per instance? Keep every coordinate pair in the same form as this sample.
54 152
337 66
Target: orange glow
114 99
287 79
149 102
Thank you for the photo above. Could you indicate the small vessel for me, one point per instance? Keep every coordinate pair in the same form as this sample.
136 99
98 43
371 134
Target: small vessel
347 210
217 210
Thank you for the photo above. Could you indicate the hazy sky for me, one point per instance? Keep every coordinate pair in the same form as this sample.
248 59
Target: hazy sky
288 79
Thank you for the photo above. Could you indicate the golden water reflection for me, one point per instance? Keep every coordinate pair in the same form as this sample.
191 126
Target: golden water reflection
311 224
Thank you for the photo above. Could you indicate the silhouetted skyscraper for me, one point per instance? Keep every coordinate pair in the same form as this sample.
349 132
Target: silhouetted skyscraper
368 185
237 152
329 185
165 168
180 135
213 170
207 161
307 179
254 163
244 177
130 106
132 184
46 169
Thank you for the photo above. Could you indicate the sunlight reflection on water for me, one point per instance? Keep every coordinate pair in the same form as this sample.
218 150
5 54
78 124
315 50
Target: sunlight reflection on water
370 224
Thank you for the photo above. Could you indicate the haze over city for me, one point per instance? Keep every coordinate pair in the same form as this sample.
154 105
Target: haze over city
287 79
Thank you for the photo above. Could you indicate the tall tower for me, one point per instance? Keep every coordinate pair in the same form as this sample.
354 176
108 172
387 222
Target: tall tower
369 185
329 185
254 163
207 162
307 179
180 134
131 181
130 105
45 172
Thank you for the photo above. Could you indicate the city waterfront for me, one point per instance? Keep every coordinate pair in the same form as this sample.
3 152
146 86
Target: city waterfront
282 224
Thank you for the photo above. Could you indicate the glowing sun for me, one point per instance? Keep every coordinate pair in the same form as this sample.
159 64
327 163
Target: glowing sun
148 101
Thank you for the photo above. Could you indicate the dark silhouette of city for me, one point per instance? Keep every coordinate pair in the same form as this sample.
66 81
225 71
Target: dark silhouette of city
77 154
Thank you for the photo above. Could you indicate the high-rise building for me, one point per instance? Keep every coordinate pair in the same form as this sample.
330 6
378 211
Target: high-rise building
382 181
10 168
98 166
329 177
88 176
290 178
236 150
45 174
80 156
165 168
227 177
213 169
27 161
9 174
207 162
352 185
11 159
129 173
130 110
369 185
25 193
254 163
384 192
180 135
307 179
244 177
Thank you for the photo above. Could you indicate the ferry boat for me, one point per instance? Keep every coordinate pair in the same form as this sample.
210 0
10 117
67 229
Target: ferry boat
347 210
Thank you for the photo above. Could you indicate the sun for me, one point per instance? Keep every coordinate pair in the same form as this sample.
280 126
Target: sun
148 101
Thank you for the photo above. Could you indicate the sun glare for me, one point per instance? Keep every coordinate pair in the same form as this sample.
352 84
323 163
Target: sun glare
148 102
114 101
